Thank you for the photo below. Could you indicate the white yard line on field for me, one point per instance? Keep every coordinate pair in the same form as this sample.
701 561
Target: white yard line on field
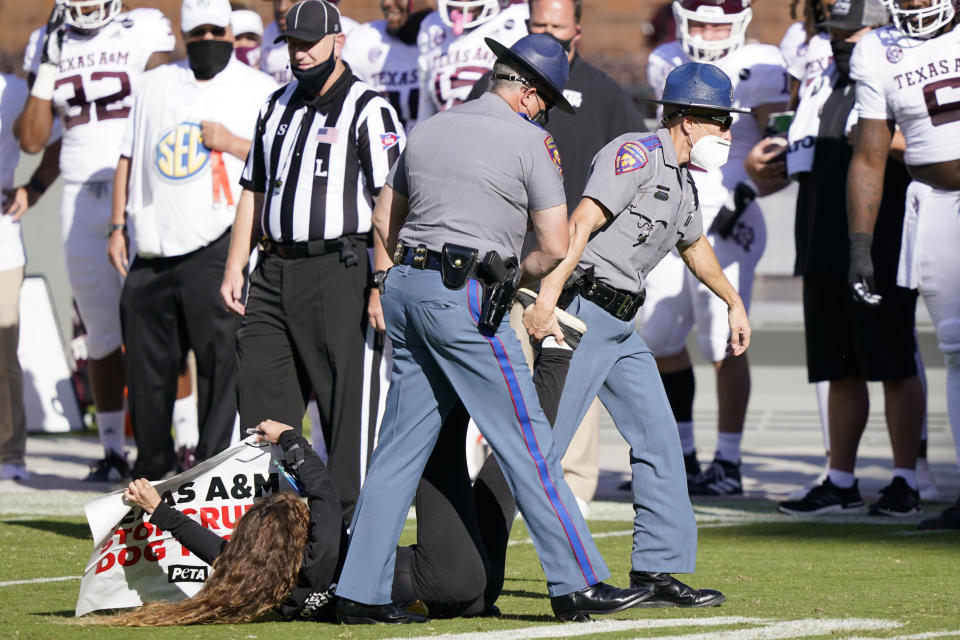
915 636
13 583
759 629
586 628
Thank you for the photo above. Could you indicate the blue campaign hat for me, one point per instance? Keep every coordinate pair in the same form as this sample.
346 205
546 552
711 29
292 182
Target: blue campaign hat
545 58
700 86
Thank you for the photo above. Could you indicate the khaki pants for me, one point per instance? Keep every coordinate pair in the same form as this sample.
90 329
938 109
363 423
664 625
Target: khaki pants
13 423
581 463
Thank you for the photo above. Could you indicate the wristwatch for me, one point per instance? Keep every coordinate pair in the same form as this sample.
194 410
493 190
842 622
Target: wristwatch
116 227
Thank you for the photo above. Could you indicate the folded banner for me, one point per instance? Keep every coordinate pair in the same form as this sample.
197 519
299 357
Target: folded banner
135 562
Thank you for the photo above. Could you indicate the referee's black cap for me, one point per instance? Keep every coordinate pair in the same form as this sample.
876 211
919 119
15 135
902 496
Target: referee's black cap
310 21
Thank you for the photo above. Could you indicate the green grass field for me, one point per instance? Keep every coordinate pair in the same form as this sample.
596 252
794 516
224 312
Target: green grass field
783 578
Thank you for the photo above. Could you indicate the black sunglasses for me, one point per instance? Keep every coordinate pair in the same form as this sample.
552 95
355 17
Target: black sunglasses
199 32
723 121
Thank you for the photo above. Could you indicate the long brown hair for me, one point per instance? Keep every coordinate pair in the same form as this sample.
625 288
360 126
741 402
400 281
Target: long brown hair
255 572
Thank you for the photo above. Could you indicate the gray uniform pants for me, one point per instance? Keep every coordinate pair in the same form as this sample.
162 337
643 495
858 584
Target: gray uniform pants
614 364
439 354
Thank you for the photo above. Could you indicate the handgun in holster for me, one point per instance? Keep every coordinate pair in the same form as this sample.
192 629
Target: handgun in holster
500 280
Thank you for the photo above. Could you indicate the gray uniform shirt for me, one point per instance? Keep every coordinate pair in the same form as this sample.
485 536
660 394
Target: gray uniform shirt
472 174
654 205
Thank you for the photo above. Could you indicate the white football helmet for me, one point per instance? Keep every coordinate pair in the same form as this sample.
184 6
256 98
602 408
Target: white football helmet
90 15
923 22
472 13
736 13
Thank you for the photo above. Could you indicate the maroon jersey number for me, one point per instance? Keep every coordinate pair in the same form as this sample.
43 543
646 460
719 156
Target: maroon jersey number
943 112
106 107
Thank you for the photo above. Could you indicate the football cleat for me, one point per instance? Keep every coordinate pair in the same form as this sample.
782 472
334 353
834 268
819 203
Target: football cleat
111 468
897 499
824 499
720 478
949 518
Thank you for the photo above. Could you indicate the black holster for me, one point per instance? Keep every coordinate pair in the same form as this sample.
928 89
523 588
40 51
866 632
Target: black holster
500 280
579 280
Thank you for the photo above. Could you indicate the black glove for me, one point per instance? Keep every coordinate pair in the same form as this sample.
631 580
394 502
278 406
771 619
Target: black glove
53 41
860 275
732 209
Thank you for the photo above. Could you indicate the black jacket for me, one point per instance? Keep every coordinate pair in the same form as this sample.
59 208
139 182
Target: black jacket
326 539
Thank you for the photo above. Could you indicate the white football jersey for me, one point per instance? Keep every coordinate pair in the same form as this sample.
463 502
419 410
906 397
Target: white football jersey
793 48
98 73
275 59
759 77
387 64
182 195
449 66
915 83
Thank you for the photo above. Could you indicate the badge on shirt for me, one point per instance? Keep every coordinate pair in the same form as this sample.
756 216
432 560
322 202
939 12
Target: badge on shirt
389 140
551 146
630 157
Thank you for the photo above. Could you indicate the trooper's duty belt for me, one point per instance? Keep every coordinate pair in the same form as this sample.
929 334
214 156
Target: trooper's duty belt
457 264
622 305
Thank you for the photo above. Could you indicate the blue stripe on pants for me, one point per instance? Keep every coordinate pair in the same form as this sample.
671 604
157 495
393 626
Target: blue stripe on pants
506 368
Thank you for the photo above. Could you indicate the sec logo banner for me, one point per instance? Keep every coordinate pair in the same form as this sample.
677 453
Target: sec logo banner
630 157
180 154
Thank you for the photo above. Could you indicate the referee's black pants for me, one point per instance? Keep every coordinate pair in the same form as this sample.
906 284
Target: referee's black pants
167 307
304 328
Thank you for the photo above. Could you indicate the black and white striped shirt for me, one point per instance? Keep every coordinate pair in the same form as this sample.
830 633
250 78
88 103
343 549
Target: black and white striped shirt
320 162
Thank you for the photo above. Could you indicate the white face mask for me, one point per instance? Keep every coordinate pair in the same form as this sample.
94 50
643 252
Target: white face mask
709 152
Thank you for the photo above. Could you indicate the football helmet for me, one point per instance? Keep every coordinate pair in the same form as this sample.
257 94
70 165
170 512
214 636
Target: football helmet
463 15
90 15
921 22
736 13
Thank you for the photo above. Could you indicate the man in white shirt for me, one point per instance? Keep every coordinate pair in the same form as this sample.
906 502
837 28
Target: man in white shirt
177 181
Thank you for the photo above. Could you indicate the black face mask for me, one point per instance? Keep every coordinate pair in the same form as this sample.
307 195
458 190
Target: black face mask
313 79
207 58
566 44
841 56
542 117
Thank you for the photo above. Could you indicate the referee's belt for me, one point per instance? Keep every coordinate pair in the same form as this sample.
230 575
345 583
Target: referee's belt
313 248
622 305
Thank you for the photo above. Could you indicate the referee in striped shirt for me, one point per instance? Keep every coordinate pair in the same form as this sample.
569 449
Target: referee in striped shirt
321 152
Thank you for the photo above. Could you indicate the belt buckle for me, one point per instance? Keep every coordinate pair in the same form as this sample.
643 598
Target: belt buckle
420 257
622 307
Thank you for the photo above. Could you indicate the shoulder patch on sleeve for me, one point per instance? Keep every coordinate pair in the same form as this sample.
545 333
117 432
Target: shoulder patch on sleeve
554 153
388 140
630 157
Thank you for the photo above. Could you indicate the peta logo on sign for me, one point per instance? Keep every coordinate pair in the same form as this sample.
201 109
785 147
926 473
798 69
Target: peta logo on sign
180 154
186 573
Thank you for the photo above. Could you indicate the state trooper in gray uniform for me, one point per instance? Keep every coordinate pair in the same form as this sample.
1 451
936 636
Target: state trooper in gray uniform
639 203
453 215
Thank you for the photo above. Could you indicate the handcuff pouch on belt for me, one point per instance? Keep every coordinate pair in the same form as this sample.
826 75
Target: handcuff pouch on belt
457 264
500 280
